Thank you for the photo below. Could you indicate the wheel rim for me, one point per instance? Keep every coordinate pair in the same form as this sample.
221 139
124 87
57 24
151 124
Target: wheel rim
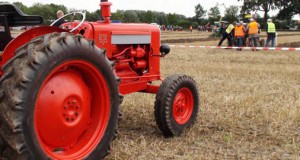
183 105
72 110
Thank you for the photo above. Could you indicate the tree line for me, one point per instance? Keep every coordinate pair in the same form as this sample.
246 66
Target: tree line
287 9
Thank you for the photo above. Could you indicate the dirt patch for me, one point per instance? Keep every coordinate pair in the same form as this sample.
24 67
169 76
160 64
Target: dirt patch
188 40
292 45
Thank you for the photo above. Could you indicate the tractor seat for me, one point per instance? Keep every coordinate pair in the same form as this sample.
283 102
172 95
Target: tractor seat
15 17
12 16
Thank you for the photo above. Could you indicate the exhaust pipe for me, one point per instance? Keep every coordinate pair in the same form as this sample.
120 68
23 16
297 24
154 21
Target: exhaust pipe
105 10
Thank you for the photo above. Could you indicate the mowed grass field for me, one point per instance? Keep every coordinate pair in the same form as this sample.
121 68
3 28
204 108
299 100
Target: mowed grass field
249 106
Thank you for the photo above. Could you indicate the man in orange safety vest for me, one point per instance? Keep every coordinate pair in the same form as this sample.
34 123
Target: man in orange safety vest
253 31
239 34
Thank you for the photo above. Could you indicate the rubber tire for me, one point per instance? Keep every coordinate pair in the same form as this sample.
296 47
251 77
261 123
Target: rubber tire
163 110
20 84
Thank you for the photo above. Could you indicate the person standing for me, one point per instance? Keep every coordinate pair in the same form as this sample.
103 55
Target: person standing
271 32
227 34
253 29
239 34
59 14
191 28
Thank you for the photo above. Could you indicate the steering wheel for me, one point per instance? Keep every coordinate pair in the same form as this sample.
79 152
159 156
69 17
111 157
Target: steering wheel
73 14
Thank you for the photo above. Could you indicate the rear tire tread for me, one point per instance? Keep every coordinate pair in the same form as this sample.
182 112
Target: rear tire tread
18 72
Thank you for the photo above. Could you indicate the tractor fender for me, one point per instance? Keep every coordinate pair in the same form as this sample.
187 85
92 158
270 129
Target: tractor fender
24 38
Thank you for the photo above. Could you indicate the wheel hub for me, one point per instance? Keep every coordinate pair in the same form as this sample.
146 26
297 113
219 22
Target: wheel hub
72 110
180 106
183 105
63 109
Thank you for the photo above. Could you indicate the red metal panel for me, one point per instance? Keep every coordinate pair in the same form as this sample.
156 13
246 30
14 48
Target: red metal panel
133 87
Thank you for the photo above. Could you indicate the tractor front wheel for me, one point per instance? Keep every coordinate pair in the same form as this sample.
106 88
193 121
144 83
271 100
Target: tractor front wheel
59 100
176 104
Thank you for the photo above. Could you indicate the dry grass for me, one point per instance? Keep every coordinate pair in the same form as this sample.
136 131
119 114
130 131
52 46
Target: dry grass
250 108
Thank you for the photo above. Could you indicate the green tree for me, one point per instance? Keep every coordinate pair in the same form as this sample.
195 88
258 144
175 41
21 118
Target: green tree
40 9
172 19
231 13
22 7
260 5
288 9
184 23
161 18
142 15
214 14
131 16
149 17
93 16
199 11
118 15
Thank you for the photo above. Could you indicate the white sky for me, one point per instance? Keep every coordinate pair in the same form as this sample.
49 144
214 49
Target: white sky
184 7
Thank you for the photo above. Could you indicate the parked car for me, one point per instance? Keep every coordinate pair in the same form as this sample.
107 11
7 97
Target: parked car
177 28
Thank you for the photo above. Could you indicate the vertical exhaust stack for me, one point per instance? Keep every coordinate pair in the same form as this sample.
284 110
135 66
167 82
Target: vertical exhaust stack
105 9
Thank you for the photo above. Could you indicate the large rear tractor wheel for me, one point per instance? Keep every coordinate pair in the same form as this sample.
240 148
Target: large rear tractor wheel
176 105
59 100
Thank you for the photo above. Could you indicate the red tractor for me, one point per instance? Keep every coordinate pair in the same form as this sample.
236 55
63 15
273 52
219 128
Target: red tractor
61 87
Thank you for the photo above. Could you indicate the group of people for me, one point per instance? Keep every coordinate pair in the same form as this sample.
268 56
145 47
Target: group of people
240 33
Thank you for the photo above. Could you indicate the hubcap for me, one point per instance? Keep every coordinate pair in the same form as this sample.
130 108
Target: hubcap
183 105
72 110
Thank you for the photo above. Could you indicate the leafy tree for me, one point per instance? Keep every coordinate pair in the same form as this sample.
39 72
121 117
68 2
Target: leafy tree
288 9
118 15
184 23
161 18
214 14
260 5
22 7
199 11
42 10
142 15
172 19
131 16
149 17
231 13
93 16
203 21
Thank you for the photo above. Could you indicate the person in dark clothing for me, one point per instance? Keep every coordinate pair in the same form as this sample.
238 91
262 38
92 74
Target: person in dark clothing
271 32
227 34
59 14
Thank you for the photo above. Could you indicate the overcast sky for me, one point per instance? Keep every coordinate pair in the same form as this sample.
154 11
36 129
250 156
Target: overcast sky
184 7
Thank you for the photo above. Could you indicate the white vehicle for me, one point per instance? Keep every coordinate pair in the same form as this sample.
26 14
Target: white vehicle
155 24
